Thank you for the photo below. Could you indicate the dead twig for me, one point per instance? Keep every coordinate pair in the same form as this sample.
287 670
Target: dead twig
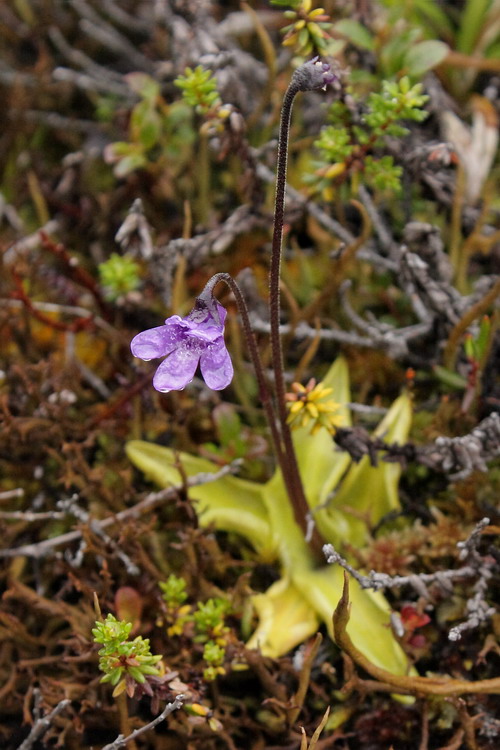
42 723
46 547
169 709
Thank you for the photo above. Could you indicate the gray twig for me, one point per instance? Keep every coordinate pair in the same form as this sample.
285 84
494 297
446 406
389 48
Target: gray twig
42 723
169 708
41 549
382 581
457 457
30 516
12 494
70 505
477 607
135 233
89 83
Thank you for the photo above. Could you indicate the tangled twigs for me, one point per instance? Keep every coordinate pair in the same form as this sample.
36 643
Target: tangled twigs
42 723
457 457
46 547
403 684
76 272
478 608
19 294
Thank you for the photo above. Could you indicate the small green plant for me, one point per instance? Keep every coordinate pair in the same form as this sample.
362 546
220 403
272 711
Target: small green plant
118 276
214 655
159 134
174 591
199 89
177 613
199 92
349 148
208 619
126 664
308 30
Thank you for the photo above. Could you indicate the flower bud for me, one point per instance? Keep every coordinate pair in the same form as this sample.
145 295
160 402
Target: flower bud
314 74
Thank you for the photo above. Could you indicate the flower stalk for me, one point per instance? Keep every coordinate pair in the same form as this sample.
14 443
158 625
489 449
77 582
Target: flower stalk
312 75
198 338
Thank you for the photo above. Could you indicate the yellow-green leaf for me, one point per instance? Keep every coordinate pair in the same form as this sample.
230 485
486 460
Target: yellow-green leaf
285 619
369 624
230 503
372 491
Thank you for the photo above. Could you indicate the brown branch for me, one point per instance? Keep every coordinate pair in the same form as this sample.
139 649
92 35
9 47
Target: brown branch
76 272
45 547
77 325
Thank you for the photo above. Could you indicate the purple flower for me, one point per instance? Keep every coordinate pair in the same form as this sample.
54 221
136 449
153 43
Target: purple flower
185 342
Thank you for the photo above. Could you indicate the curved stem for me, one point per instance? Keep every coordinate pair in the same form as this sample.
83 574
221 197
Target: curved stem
280 432
275 268
290 469
264 392
311 75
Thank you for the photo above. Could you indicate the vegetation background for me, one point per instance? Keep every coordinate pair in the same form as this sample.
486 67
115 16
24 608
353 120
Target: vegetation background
137 153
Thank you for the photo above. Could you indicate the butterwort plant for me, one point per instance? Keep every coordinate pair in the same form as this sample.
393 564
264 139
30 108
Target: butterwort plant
282 518
199 337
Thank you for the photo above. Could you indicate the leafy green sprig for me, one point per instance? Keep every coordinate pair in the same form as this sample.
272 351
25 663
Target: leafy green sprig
177 614
214 655
199 89
208 619
308 29
126 664
118 276
210 627
348 147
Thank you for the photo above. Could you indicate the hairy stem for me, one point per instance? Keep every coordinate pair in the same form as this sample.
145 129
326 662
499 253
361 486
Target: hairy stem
312 75
282 441
264 392
290 467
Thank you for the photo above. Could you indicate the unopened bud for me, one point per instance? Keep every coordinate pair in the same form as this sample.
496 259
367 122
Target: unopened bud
314 74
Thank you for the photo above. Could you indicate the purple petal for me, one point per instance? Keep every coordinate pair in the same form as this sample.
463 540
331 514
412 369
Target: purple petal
158 342
206 314
216 366
177 370
205 334
222 314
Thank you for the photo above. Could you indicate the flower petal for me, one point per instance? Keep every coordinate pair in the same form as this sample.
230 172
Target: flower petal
216 366
177 370
206 321
158 342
